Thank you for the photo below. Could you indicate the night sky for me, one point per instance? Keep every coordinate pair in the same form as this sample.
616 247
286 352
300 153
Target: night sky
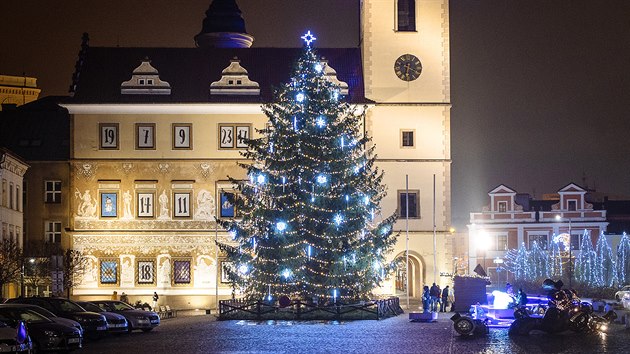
540 89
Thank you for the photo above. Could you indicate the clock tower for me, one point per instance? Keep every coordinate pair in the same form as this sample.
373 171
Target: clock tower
405 49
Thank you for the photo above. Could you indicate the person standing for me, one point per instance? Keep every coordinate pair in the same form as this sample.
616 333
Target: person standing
155 300
435 295
444 299
426 298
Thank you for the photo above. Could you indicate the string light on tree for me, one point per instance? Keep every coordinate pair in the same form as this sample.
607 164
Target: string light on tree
302 237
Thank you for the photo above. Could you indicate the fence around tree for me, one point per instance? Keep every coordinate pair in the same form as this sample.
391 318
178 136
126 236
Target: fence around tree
241 309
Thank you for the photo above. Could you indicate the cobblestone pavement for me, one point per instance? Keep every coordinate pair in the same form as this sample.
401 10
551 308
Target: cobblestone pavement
203 334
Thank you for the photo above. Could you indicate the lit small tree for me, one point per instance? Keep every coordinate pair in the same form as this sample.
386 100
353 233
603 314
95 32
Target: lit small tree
623 260
586 261
606 269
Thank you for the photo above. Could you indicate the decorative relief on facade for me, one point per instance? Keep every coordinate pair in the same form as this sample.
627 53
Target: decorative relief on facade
205 271
127 167
126 270
205 206
86 169
90 277
234 81
127 215
163 200
147 245
205 169
163 168
164 270
82 223
145 80
87 204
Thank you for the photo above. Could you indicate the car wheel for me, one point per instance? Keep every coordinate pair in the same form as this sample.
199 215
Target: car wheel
464 326
147 330
129 328
618 298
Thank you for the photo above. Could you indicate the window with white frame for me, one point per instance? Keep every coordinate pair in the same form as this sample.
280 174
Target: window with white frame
572 205
406 15
18 199
52 191
11 200
53 232
409 200
502 207
407 138
497 243
541 239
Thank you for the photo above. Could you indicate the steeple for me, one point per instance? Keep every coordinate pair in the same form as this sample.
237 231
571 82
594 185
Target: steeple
223 27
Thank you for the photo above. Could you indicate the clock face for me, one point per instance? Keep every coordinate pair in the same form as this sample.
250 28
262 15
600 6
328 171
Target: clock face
408 67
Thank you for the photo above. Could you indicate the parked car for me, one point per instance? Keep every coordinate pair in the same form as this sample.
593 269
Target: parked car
115 323
137 319
45 334
42 311
94 324
14 340
619 294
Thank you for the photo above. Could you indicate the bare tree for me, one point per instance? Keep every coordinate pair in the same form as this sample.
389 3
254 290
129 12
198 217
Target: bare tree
37 272
74 264
11 258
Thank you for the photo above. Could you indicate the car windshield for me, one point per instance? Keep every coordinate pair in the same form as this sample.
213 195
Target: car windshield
121 306
90 307
66 306
42 311
22 314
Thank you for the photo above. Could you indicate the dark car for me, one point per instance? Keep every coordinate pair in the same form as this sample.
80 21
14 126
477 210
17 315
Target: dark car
63 321
115 323
94 324
138 319
46 334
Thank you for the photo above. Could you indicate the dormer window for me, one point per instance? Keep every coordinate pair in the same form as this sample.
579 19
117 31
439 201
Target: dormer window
502 207
572 204
331 75
145 80
234 81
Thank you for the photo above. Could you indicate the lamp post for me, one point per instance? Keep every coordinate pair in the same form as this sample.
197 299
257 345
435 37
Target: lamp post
559 218
483 241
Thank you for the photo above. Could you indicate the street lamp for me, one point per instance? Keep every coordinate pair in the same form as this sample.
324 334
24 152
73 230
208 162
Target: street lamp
483 243
559 218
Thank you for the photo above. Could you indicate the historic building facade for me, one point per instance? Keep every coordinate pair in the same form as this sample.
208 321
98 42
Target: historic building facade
513 219
12 170
155 133
18 90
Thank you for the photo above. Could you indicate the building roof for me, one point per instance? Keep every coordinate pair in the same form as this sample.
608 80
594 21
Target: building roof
190 71
37 131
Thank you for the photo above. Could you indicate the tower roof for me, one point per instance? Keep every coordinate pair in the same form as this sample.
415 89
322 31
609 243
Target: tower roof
223 18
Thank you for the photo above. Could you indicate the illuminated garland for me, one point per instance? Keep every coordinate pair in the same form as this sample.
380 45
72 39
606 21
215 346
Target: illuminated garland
311 223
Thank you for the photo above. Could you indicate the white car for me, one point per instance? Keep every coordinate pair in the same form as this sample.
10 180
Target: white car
625 300
619 294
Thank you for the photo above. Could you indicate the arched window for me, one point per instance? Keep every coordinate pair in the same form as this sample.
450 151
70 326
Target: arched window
406 15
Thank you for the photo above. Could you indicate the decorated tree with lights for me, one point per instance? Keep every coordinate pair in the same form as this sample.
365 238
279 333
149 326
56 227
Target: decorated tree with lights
606 269
586 261
623 260
537 262
555 263
517 262
309 226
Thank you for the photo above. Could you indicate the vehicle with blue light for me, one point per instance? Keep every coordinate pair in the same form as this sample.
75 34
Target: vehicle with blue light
45 334
14 339
94 324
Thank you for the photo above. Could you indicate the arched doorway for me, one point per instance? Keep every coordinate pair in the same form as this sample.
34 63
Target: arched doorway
416 275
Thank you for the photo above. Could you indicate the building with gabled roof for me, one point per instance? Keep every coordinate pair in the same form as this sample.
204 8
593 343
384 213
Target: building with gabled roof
156 131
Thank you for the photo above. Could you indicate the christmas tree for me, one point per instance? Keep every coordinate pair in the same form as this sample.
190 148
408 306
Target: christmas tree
309 209
586 261
623 260
606 269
